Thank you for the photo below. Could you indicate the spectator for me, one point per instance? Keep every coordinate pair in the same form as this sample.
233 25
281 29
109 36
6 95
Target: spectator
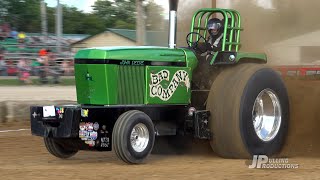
13 33
54 69
11 68
21 37
6 29
21 48
2 34
43 68
3 65
42 52
65 67
48 66
24 71
35 67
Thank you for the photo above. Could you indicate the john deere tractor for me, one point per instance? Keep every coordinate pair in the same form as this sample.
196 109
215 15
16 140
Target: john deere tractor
128 96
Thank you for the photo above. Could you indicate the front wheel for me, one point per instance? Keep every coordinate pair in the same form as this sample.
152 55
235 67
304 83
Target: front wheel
249 111
133 136
61 147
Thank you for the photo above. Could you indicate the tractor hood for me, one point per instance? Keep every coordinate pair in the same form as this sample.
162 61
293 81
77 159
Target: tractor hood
121 75
132 53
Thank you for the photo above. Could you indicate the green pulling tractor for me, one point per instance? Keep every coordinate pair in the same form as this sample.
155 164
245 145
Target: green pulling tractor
127 96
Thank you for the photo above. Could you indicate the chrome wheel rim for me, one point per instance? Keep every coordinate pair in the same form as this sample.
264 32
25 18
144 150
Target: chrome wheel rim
139 137
266 115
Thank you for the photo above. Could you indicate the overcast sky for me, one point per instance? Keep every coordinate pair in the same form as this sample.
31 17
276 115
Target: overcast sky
85 5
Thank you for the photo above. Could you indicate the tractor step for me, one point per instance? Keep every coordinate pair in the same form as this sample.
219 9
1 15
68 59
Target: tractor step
163 128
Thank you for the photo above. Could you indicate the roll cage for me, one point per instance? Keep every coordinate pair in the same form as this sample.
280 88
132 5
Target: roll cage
231 26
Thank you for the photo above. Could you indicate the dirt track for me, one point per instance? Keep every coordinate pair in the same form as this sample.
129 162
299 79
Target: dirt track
27 93
24 156
304 134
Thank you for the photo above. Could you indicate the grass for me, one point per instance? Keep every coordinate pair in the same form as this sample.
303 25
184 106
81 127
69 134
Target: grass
16 82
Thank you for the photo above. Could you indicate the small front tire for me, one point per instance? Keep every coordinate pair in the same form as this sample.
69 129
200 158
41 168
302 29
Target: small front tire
133 137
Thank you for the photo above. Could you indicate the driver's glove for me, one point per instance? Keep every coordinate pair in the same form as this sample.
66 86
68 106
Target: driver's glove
205 53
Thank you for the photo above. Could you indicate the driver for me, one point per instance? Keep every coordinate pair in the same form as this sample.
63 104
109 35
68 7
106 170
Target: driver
214 27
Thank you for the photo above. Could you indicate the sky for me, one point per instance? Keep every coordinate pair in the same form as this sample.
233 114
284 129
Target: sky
85 5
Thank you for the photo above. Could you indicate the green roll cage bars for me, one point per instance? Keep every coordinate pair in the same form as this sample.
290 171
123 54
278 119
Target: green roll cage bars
231 31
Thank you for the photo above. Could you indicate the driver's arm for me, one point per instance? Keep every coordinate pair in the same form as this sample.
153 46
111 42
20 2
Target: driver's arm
218 47
205 47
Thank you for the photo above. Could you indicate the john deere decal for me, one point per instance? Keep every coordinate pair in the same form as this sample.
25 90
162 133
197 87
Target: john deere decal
156 89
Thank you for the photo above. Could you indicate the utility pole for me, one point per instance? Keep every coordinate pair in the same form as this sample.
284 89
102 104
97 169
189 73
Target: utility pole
44 26
140 24
214 3
59 26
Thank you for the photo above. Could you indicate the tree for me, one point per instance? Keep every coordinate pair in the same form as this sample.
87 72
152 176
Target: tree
3 9
155 19
122 13
23 14
91 24
140 24
116 13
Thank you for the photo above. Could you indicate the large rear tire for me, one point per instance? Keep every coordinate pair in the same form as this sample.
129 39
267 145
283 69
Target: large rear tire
249 111
133 137
60 147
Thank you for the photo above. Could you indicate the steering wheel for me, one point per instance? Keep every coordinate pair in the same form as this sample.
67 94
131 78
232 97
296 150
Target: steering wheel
195 44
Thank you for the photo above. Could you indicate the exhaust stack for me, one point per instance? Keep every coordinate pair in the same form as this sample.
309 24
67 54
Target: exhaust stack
173 6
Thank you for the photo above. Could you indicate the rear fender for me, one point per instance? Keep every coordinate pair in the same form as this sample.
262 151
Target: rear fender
230 57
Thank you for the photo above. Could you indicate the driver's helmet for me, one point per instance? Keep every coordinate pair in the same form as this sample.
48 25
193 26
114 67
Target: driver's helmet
214 26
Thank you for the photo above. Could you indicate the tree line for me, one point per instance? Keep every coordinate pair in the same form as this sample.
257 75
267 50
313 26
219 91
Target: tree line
25 16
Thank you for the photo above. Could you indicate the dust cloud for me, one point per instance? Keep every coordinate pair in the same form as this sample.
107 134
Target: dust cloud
283 29
286 30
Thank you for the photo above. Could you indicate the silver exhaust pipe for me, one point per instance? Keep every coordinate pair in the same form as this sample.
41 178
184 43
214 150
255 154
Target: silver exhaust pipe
173 6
